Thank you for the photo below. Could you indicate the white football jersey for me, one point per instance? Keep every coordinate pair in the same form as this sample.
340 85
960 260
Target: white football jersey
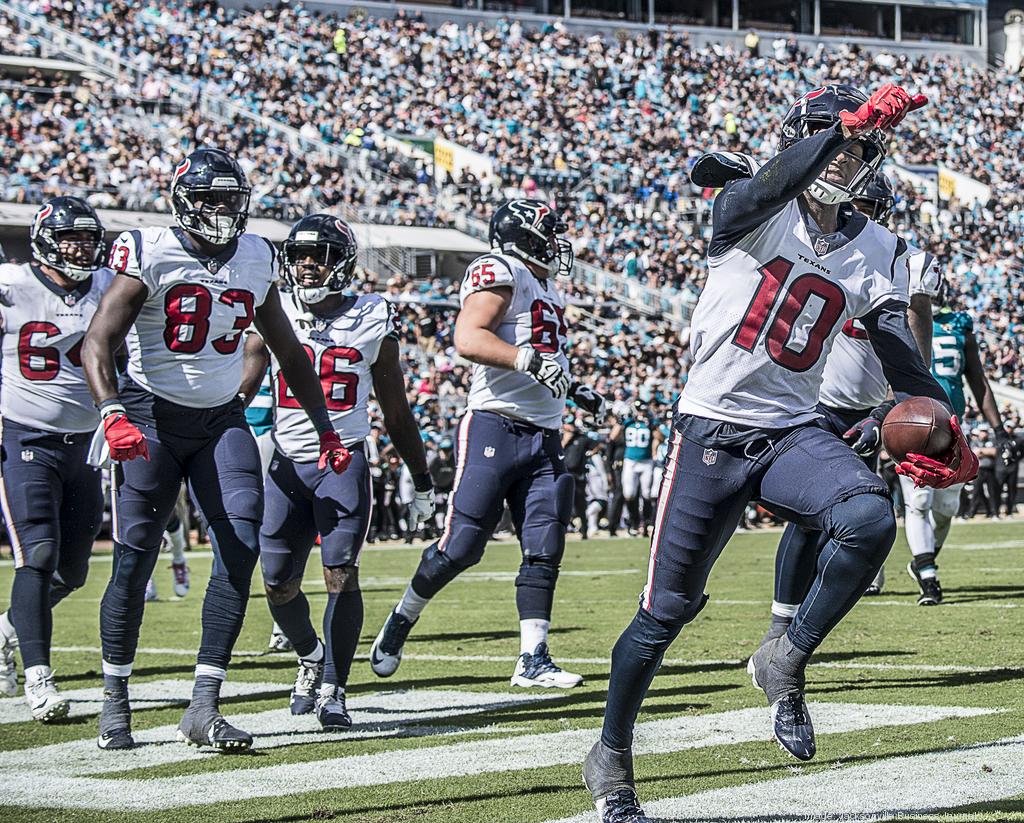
853 376
536 316
43 384
186 344
769 312
343 347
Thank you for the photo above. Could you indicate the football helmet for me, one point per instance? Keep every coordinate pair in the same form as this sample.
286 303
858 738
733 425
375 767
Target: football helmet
210 196
330 242
877 200
819 109
58 218
529 229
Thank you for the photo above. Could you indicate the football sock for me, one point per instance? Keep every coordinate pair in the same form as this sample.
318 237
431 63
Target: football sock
176 537
343 623
795 563
223 613
116 713
7 627
411 605
123 602
920 531
316 655
30 613
635 660
924 565
532 632
593 515
293 619
206 689
786 670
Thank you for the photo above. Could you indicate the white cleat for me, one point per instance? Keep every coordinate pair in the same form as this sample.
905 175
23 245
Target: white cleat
151 594
8 666
45 700
538 669
278 641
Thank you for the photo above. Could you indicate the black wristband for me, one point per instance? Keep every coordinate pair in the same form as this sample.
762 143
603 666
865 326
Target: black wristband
321 420
880 411
422 482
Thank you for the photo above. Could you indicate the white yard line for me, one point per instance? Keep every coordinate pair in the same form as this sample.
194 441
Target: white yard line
895 787
65 780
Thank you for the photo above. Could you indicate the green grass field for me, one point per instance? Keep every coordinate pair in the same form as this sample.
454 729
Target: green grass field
447 740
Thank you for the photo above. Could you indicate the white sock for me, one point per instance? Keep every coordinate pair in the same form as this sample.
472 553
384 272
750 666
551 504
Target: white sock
7 627
411 605
532 632
177 540
316 655
34 674
920 531
785 609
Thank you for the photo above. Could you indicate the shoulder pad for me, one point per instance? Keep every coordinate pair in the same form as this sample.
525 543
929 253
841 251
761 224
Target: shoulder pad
489 271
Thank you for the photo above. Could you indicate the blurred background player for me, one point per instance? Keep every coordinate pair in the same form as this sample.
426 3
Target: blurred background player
184 298
354 345
641 439
52 498
929 513
512 326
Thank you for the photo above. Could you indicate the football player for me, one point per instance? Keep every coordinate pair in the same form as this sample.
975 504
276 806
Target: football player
184 297
512 326
353 342
641 439
52 498
929 512
789 263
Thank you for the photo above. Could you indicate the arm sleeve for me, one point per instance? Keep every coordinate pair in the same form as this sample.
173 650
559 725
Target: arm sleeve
902 363
743 205
126 256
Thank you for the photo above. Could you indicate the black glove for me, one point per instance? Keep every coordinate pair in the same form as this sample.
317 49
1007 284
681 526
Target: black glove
587 399
865 437
1008 450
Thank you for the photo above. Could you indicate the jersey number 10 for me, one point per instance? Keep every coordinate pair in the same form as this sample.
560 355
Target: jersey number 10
774 275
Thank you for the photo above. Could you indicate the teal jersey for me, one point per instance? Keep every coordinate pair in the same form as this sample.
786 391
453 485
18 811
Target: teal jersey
950 330
638 439
260 413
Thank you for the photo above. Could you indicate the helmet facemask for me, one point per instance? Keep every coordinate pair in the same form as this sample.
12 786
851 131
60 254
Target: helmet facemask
330 272
825 188
544 248
75 257
218 214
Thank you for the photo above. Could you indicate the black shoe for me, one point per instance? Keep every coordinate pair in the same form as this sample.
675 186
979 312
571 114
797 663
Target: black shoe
331 710
791 722
608 774
622 806
931 589
386 651
207 727
115 722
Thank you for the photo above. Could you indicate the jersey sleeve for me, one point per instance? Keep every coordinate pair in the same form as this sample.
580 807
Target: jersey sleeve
275 269
8 273
484 273
385 325
126 255
886 280
925 276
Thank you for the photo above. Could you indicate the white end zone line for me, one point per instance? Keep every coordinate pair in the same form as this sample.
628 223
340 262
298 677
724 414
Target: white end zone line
894 787
66 784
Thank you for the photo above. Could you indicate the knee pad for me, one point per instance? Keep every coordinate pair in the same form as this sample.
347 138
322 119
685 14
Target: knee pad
437 569
341 579
538 573
133 567
72 577
236 545
280 593
41 556
278 569
864 521
659 634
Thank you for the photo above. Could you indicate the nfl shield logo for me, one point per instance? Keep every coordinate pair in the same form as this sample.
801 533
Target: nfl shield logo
821 246
27 456
488 451
213 265
710 457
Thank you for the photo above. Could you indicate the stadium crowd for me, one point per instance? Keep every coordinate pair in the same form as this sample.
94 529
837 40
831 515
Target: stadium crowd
608 129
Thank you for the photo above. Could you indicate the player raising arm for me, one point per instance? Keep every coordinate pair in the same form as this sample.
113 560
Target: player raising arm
353 342
789 263
184 297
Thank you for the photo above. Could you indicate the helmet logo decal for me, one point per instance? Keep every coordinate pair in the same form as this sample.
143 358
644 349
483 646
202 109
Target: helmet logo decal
531 213
183 167
342 226
42 214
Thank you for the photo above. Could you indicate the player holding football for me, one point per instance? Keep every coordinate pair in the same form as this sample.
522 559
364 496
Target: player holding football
929 512
512 327
789 264
52 498
353 343
184 297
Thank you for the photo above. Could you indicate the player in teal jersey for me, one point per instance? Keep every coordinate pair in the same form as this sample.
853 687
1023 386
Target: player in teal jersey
929 512
641 437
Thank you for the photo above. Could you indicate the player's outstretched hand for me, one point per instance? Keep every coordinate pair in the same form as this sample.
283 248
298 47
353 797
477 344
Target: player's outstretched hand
545 369
958 465
883 110
587 399
865 437
126 442
333 453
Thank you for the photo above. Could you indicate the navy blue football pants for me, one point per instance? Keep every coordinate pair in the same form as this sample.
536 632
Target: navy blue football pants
53 505
213 450
804 474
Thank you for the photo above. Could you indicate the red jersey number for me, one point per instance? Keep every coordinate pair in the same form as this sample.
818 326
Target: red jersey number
340 387
188 307
482 275
548 329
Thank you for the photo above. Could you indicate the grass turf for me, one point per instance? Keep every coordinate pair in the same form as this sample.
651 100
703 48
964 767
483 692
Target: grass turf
887 651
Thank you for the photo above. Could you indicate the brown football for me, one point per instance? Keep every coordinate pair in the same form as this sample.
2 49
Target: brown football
918 425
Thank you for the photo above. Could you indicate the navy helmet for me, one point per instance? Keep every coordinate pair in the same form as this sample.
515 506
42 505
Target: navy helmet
820 109
877 200
210 196
331 244
48 237
529 230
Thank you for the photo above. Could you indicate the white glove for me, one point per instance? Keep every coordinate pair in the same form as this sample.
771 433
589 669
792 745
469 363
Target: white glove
587 399
421 509
545 369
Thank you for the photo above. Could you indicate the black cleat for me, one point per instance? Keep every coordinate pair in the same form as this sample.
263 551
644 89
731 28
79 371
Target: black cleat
115 722
931 589
608 774
207 727
386 651
875 586
331 710
791 722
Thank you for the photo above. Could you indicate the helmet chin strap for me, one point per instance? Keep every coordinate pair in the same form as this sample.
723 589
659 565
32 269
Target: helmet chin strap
312 296
828 193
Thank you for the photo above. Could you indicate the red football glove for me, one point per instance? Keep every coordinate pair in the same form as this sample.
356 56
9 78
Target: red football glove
333 453
125 440
958 466
884 110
